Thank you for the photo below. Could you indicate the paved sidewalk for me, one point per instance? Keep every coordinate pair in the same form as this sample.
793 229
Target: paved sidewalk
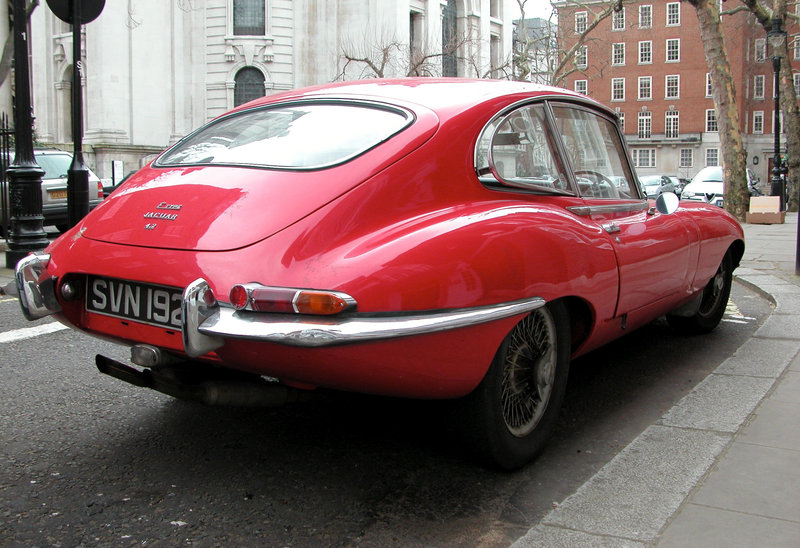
722 467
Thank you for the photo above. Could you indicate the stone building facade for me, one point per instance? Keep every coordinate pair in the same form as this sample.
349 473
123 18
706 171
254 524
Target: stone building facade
156 69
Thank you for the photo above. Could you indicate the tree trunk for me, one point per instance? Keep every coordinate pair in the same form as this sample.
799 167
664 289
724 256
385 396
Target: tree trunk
734 165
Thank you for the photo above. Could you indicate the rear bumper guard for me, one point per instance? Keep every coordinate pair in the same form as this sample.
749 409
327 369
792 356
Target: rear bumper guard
37 293
206 326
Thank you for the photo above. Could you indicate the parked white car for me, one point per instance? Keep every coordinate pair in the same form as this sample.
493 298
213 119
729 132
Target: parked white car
708 186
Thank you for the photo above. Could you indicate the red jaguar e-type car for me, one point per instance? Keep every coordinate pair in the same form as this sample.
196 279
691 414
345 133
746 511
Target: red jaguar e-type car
422 238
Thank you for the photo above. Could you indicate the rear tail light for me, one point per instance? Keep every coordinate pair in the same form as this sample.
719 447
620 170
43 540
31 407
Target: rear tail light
261 298
100 189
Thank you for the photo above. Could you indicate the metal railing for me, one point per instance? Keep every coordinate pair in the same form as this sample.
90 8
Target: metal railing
6 141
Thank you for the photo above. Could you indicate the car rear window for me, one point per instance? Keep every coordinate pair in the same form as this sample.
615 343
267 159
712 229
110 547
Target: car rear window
291 136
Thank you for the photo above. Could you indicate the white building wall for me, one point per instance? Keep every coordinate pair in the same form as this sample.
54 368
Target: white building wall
154 70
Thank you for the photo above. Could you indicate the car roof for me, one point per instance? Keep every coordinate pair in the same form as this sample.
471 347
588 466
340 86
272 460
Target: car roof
438 94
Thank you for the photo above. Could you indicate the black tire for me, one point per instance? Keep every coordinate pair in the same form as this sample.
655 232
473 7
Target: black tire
712 305
512 412
62 228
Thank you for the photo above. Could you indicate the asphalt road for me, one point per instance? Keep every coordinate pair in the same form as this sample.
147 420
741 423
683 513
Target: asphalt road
88 460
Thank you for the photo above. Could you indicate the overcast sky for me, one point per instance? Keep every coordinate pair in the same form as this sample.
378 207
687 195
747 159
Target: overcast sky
533 8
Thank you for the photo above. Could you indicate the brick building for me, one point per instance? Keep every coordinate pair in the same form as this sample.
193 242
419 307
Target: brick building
647 62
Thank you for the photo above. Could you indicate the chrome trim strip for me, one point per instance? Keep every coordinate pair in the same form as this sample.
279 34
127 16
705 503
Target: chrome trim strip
196 310
314 332
586 210
37 296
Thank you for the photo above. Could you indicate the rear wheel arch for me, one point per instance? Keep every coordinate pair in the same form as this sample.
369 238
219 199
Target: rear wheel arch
581 320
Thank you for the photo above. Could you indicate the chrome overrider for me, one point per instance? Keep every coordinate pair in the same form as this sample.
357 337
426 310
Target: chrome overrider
37 294
205 326
207 323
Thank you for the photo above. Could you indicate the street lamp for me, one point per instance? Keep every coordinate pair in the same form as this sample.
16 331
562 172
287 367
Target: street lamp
25 176
777 37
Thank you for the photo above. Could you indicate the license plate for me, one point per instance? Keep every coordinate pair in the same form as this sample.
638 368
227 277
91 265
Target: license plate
57 194
146 303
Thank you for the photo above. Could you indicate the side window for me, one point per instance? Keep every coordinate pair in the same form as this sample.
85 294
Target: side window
518 149
595 149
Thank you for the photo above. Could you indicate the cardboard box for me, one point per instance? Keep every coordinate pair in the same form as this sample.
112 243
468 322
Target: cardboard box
765 210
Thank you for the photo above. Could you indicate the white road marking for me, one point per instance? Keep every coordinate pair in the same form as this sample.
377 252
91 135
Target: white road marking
30 332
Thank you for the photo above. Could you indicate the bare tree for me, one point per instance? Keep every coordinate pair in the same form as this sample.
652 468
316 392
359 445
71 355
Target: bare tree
724 93
597 12
789 108
385 56
535 49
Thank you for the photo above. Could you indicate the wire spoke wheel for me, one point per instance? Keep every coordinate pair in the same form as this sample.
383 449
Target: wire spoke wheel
714 291
529 373
713 302
509 417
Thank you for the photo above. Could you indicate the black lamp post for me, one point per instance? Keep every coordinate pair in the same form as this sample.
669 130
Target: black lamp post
777 37
26 233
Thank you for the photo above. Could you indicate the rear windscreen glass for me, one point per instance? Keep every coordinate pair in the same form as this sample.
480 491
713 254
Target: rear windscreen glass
294 136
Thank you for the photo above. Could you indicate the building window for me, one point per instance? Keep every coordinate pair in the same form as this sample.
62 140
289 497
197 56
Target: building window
618 54
645 88
796 84
581 19
582 86
618 20
645 16
758 122
449 28
687 157
621 116
645 52
673 14
760 51
582 57
645 125
644 157
248 85
796 48
618 89
249 18
708 85
712 157
758 86
672 86
673 50
711 121
671 129
494 9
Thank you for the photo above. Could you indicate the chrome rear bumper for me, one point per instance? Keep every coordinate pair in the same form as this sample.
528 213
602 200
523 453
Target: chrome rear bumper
205 327
206 324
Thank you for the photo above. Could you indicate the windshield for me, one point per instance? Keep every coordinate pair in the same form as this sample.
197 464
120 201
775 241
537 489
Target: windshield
711 174
55 166
296 136
651 180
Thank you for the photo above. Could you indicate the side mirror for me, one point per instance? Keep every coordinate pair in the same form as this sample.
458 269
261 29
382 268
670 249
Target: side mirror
667 203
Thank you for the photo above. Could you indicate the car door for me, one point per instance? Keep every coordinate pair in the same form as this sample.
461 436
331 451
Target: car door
653 250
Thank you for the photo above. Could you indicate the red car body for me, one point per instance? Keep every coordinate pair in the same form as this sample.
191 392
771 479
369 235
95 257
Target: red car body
433 258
